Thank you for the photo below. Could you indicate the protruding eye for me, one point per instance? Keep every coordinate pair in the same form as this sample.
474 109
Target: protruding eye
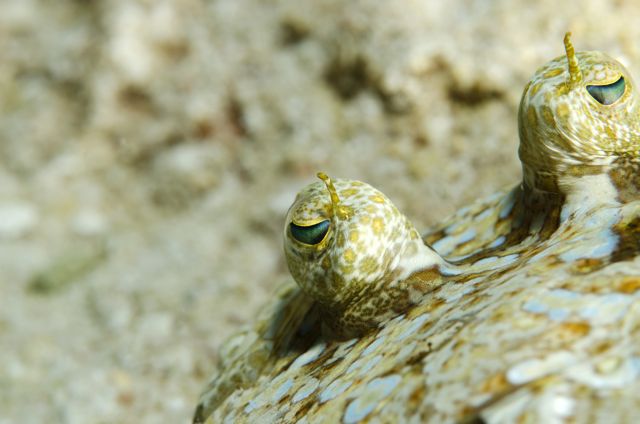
607 94
311 234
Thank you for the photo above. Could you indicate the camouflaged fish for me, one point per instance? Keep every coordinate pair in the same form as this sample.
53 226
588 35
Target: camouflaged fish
524 307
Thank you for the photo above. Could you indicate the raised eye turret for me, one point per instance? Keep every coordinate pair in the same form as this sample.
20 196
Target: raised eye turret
351 250
579 116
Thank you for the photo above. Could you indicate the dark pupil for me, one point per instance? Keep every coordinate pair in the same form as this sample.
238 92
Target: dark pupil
607 94
312 234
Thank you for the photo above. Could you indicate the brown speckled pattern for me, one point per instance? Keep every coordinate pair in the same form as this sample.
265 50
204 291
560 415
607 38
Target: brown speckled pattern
359 272
537 318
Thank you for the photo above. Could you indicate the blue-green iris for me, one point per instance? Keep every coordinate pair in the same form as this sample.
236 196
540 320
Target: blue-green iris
311 234
607 94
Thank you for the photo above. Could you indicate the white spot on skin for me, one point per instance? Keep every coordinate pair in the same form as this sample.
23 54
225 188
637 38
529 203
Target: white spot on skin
564 294
406 351
282 390
561 304
534 307
535 368
554 405
621 376
468 235
589 313
457 225
461 212
335 389
456 293
445 245
342 351
354 366
599 247
424 258
484 215
374 392
494 262
395 320
609 308
507 205
416 323
369 365
603 218
309 356
543 254
562 406
349 343
558 314
449 270
586 193
497 242
304 391
373 346
485 261
254 404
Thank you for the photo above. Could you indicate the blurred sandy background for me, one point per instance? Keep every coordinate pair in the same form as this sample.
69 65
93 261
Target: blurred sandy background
150 149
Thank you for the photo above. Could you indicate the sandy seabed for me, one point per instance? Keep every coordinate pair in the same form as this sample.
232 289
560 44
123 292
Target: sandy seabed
150 149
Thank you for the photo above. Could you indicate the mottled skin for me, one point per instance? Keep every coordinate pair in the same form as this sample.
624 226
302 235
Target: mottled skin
565 132
371 263
539 323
